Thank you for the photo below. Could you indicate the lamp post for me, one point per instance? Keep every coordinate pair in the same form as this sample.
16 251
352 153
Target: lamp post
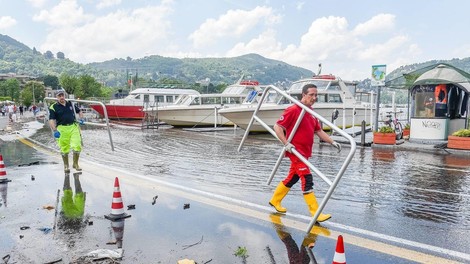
34 98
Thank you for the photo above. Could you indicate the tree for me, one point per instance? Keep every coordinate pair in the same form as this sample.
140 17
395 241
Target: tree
89 87
27 96
60 55
12 89
49 55
51 81
35 52
70 84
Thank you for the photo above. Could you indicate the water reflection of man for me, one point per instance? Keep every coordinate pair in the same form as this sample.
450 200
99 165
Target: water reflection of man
295 254
73 205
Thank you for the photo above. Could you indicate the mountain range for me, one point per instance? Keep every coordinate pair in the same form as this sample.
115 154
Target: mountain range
15 57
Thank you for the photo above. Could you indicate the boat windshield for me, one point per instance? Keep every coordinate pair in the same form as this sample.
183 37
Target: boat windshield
322 85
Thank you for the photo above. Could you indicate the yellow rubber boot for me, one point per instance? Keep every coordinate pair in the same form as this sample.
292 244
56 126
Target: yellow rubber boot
65 158
279 194
312 204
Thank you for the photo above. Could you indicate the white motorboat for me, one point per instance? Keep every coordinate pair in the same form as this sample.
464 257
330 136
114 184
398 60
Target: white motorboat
131 106
202 109
336 102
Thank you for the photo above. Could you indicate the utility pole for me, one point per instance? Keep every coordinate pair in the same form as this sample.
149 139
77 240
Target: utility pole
34 98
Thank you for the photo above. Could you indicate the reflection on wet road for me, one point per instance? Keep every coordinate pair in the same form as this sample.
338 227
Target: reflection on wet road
417 196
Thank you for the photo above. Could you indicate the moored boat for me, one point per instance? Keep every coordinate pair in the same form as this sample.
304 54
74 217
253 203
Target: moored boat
131 107
335 101
202 109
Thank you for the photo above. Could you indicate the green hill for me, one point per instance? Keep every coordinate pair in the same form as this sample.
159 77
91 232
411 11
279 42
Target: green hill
16 57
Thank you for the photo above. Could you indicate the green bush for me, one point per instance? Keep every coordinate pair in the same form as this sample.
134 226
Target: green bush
462 133
386 129
407 126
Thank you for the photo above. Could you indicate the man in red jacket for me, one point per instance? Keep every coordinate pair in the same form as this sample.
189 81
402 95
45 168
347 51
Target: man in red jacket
303 143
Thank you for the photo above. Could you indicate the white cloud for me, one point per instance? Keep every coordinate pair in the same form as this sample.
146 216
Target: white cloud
382 51
119 34
107 3
232 24
377 23
37 3
326 38
265 43
7 22
330 41
66 13
299 5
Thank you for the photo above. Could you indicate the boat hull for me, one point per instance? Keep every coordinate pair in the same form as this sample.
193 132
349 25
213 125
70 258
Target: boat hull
120 111
187 117
270 114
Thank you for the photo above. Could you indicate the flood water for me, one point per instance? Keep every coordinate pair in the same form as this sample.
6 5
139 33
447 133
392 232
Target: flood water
412 195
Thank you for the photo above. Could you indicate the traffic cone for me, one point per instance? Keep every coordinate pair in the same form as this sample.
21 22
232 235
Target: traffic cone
3 172
339 257
118 228
3 192
117 206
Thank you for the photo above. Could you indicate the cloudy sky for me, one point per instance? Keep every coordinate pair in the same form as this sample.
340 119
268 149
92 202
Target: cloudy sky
346 36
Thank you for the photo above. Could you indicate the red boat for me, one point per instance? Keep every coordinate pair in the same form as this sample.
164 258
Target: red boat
131 106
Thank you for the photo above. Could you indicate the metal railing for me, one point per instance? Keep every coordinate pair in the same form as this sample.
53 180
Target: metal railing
90 123
305 109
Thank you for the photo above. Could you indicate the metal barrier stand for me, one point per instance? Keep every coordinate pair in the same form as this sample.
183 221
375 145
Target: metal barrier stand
88 123
344 165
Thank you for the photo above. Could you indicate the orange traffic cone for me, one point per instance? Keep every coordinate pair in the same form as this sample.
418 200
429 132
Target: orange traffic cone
118 228
3 193
3 172
117 206
339 257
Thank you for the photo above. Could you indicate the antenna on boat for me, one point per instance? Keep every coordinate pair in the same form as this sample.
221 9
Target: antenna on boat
241 78
319 69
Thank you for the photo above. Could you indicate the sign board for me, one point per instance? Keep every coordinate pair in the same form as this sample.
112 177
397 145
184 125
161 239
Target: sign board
378 75
429 128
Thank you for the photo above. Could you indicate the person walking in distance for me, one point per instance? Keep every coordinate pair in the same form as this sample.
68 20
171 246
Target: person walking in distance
62 121
303 143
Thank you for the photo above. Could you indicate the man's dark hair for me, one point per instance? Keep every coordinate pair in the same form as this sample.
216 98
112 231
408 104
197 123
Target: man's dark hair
308 86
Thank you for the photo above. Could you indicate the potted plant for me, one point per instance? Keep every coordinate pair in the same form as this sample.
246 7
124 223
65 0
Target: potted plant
386 135
406 131
459 139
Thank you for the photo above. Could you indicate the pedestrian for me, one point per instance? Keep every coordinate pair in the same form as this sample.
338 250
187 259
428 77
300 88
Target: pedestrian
10 112
66 130
35 110
303 143
21 110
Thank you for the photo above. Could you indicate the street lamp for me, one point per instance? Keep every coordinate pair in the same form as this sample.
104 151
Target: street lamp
34 98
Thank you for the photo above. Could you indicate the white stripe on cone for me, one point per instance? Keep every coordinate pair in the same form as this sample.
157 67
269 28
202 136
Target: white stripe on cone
339 257
117 206
3 172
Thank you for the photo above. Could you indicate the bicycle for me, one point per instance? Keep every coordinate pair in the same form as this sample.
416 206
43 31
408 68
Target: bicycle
395 124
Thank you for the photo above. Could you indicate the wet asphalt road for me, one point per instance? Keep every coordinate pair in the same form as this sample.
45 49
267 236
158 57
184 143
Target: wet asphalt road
412 196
